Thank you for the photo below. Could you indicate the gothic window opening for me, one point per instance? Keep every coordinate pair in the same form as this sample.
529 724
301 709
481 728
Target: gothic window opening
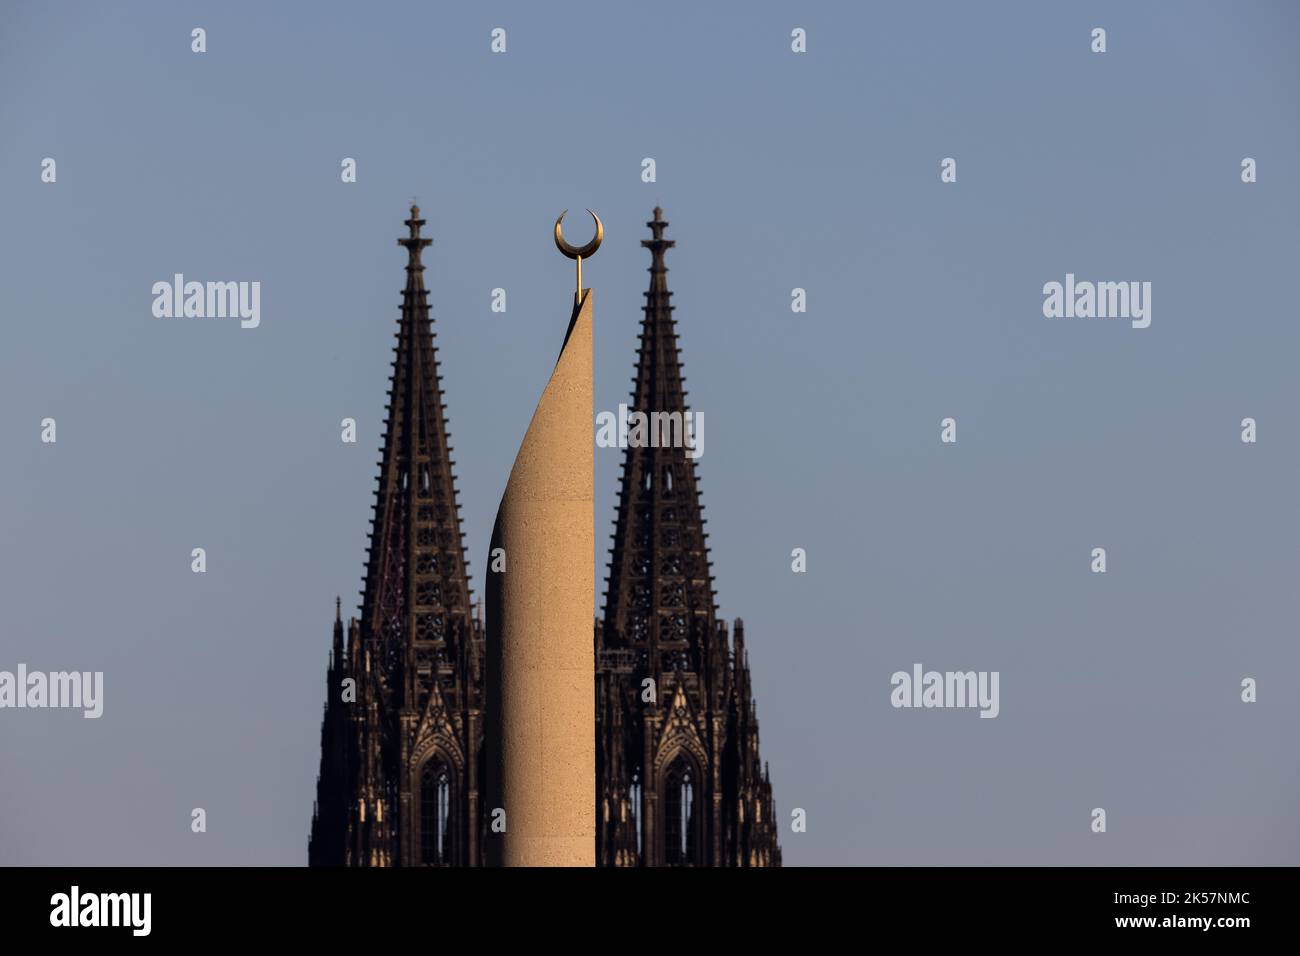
681 815
636 811
673 627
428 592
435 814
672 595
428 627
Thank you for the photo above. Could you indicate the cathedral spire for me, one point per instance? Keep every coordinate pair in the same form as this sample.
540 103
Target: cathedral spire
658 246
660 591
402 737
677 772
417 585
414 243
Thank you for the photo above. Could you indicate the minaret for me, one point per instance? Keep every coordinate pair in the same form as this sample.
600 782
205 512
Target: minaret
414 734
542 767
674 773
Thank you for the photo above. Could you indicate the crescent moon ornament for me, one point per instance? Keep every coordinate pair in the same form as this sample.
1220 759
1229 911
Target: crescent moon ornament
577 254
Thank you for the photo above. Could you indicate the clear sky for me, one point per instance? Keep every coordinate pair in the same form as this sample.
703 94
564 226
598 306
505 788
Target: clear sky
776 170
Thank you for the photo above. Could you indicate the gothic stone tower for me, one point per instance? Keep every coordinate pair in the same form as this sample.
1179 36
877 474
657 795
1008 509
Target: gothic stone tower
679 781
402 736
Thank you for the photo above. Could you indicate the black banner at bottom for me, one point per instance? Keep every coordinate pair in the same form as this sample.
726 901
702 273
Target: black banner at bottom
335 906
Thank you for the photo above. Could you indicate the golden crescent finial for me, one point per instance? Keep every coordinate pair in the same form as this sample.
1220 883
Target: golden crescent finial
587 251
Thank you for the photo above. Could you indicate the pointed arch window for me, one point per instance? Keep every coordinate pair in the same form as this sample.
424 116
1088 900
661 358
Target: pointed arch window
636 810
681 814
435 814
